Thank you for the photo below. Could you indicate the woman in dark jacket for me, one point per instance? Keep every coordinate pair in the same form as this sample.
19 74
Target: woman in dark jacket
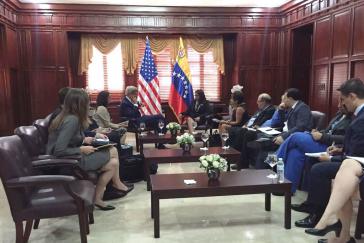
198 111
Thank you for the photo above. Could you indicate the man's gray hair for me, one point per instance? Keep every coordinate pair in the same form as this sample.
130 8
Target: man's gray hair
131 90
265 97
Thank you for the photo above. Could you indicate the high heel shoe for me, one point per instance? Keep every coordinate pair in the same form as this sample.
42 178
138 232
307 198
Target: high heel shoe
321 232
112 188
352 240
105 208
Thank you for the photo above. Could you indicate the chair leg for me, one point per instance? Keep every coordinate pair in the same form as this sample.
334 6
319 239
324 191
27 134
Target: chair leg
359 228
36 223
28 230
19 232
82 222
137 142
87 224
91 218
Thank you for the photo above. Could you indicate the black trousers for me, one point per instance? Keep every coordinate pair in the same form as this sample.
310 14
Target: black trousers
320 185
239 138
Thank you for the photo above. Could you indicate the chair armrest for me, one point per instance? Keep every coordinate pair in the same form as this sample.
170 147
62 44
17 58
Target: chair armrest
54 163
28 181
72 157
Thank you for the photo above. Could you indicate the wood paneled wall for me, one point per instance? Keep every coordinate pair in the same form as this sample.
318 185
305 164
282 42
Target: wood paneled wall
337 46
257 46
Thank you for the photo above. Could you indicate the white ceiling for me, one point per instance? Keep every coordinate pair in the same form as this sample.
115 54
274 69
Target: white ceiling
191 3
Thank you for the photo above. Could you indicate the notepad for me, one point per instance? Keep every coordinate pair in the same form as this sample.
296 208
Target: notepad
269 130
316 155
189 181
109 145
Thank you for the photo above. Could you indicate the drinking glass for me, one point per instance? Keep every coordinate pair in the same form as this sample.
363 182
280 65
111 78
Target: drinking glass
225 137
271 160
142 128
161 126
194 125
205 138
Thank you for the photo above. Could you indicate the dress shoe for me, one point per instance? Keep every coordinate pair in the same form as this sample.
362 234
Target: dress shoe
110 195
303 207
161 146
234 167
352 240
321 232
105 208
309 222
128 184
111 188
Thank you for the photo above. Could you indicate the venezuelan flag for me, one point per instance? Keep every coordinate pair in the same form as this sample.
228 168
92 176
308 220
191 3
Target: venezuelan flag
181 94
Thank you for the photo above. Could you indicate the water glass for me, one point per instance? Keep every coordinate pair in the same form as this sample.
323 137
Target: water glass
142 128
194 125
161 126
205 137
225 137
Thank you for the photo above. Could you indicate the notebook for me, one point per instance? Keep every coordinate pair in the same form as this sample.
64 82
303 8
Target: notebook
109 145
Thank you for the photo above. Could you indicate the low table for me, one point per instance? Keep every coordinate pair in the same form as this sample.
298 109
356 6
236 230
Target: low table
167 186
178 156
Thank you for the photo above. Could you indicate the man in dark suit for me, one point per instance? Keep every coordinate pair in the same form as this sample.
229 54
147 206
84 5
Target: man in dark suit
129 108
352 98
293 149
299 118
240 136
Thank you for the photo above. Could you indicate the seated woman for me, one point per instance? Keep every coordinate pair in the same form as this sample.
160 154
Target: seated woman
102 116
239 114
66 138
340 205
293 149
198 111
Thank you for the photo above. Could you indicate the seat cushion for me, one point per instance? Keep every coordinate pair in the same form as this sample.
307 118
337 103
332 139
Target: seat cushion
54 201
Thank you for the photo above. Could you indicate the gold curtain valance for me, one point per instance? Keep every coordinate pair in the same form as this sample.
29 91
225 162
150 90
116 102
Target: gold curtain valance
129 47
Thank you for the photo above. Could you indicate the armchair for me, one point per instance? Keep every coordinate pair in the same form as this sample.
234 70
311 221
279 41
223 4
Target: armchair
33 197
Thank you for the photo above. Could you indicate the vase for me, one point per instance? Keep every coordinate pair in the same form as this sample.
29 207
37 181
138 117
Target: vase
186 147
213 174
174 132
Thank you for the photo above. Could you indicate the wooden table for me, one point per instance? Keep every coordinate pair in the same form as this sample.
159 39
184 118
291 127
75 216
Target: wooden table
155 138
178 156
167 186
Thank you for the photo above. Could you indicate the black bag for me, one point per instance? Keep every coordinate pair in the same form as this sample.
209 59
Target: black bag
125 151
131 168
215 140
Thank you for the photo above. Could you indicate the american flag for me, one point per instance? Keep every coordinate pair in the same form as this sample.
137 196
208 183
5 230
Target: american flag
148 84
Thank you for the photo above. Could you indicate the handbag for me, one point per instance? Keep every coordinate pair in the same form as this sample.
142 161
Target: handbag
215 140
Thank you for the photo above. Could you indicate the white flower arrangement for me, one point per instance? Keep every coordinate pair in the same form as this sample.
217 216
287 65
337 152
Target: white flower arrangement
213 161
185 138
173 126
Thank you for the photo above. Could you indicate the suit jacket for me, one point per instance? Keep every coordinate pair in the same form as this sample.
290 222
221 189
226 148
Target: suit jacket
66 139
264 115
338 131
129 110
354 136
299 119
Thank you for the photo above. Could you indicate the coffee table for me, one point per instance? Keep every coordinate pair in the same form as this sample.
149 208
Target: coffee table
178 156
167 186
